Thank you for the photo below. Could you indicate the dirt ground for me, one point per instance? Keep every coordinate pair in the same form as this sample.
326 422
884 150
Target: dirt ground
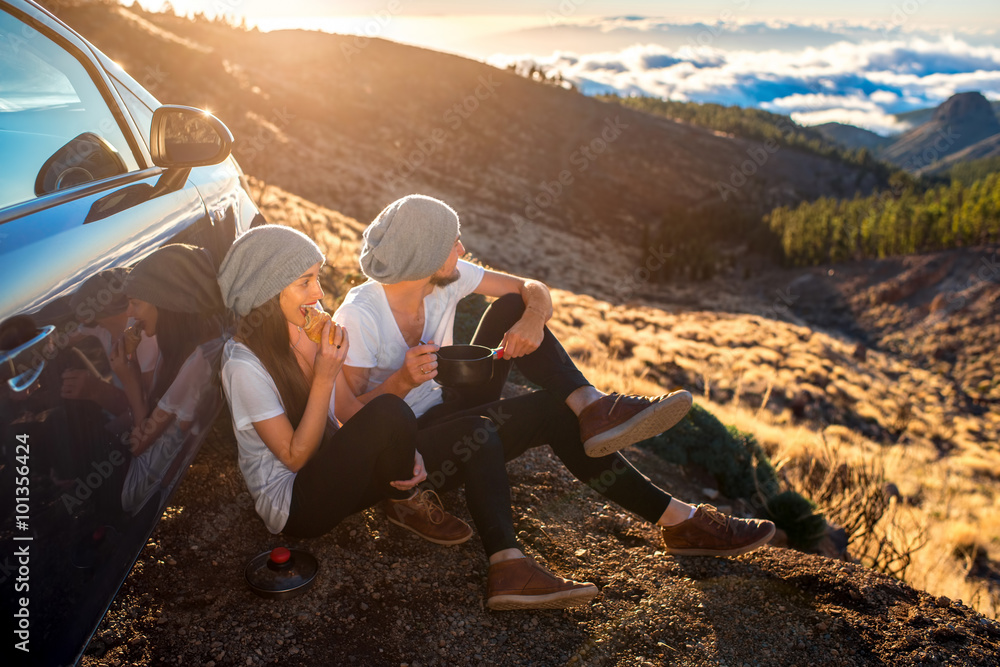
385 597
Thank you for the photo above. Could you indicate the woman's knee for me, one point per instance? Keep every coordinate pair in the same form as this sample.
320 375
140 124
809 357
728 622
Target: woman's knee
391 418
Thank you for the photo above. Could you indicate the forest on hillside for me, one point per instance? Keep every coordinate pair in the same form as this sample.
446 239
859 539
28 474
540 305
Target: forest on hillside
755 125
892 222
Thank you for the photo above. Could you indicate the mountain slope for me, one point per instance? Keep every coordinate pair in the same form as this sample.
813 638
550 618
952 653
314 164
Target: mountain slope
987 148
354 123
960 122
850 136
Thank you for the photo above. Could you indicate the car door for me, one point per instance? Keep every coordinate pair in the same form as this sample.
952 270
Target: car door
80 197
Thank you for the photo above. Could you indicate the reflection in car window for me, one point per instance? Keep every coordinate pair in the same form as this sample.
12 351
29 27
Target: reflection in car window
56 130
141 112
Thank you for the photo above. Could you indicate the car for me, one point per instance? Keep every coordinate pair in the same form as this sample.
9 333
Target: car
95 175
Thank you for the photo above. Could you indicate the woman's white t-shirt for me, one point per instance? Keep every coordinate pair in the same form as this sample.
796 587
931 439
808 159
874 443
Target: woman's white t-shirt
253 397
377 343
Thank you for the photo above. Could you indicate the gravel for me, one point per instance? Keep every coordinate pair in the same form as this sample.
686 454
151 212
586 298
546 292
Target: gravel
385 597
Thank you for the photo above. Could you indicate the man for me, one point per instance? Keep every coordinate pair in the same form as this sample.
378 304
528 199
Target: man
398 319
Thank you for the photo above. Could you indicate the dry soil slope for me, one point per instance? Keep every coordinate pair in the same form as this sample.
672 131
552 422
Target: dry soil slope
353 124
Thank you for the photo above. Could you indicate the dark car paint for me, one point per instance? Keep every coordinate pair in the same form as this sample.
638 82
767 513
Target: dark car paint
85 527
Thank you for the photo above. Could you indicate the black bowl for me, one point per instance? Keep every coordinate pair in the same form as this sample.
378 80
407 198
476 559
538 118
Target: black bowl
464 365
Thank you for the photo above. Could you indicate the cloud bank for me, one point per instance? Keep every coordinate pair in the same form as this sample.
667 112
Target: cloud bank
863 78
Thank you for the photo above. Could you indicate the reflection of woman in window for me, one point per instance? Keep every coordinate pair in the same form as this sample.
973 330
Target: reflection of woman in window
174 296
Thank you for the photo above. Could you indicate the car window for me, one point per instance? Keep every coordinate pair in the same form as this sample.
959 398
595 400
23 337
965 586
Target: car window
142 114
56 130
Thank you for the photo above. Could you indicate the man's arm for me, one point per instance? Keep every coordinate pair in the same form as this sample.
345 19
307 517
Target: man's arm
526 334
419 359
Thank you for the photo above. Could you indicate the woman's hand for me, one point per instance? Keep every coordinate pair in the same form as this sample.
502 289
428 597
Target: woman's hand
120 364
330 356
419 474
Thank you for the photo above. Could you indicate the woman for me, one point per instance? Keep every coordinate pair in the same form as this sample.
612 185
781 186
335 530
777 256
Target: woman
306 472
173 295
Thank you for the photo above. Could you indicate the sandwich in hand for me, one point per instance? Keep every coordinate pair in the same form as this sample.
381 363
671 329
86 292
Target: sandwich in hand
132 338
316 319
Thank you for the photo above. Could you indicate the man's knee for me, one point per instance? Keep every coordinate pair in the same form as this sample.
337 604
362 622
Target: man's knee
509 307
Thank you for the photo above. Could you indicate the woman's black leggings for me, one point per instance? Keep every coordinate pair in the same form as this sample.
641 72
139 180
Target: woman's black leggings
543 417
353 466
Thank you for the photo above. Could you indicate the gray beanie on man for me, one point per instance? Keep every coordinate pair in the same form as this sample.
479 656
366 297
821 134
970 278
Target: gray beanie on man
409 240
261 263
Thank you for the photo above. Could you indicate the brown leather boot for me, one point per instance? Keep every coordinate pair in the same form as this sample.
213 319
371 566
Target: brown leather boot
711 533
521 583
424 515
616 421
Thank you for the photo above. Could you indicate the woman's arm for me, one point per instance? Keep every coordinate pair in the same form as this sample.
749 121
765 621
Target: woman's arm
128 372
148 430
295 446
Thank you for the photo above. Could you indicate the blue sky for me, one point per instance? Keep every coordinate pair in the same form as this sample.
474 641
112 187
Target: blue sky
854 61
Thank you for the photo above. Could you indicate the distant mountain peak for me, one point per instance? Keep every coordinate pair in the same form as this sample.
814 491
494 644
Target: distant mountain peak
966 107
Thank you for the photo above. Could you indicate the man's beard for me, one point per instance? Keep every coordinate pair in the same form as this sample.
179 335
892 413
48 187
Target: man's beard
442 281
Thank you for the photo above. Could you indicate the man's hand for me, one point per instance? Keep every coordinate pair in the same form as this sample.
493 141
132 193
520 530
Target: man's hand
524 337
420 364
419 474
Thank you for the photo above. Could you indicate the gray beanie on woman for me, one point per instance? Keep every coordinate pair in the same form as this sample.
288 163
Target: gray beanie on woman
409 240
261 263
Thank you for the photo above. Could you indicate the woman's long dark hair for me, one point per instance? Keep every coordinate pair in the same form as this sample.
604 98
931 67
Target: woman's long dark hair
177 335
265 331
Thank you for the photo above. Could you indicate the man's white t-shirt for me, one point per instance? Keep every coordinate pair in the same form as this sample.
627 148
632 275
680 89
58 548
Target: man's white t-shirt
377 343
253 397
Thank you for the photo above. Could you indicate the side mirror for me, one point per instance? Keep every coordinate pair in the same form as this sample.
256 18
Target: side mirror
185 137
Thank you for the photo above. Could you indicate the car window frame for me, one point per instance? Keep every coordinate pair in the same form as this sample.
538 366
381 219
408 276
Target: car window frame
64 37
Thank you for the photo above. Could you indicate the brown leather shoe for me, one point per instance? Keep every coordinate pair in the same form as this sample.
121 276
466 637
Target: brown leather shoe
521 583
616 421
711 533
424 515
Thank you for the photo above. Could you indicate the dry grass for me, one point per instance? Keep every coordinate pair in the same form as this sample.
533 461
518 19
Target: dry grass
887 422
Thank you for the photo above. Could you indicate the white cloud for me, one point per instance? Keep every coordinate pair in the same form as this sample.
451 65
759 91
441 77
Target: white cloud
860 83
